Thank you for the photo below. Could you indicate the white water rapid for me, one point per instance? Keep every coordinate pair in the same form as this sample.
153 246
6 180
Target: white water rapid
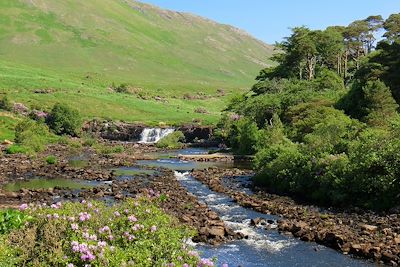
153 135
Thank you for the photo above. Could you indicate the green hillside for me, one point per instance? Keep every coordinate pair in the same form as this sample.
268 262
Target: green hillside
77 49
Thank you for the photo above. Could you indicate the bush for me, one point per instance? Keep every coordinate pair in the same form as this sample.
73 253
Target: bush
51 160
12 219
243 136
64 120
32 135
135 232
123 88
172 141
5 103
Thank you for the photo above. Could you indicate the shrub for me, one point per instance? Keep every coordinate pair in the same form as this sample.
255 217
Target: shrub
123 88
51 160
12 219
243 136
172 141
32 135
64 120
5 103
135 232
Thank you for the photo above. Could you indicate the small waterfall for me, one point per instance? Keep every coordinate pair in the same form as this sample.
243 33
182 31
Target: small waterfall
153 135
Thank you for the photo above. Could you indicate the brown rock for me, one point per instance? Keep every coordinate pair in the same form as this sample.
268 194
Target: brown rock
216 231
7 142
369 228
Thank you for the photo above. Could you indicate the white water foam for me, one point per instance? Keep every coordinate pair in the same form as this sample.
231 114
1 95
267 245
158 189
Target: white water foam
230 212
153 135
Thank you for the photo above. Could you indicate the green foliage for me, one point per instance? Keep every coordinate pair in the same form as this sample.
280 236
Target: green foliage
33 135
304 144
172 141
123 88
142 234
64 120
51 160
12 219
16 149
243 135
371 102
108 149
5 103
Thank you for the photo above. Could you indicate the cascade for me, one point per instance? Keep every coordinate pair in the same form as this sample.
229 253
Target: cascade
153 135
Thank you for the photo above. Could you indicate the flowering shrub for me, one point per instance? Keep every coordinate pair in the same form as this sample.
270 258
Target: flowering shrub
131 233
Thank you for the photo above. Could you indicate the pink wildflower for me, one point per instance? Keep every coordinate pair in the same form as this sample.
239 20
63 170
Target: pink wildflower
23 207
132 218
74 226
153 229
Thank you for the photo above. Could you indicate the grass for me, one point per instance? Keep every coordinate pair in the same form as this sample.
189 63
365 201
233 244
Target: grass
50 45
7 126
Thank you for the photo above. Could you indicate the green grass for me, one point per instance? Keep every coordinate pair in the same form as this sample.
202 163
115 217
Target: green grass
52 45
7 126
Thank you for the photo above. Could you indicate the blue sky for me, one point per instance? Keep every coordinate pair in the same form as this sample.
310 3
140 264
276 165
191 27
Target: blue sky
270 20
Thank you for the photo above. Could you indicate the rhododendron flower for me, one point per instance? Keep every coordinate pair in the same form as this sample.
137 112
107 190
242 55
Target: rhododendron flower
132 218
102 244
84 216
205 263
23 207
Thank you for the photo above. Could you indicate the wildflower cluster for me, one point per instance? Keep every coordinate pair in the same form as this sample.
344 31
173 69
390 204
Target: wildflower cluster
134 232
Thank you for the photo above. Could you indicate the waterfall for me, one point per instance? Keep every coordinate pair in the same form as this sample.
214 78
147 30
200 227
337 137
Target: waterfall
153 135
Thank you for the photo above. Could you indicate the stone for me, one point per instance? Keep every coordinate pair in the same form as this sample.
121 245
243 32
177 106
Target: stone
216 231
7 142
369 228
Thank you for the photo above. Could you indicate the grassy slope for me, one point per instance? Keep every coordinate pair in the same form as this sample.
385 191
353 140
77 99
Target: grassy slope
78 48
7 126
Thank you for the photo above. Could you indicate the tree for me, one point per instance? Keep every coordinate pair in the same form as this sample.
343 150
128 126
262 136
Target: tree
64 120
374 23
378 103
392 27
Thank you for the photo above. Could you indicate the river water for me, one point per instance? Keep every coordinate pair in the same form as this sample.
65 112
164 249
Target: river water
263 247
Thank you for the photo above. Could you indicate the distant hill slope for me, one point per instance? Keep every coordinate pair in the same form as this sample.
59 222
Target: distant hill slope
89 44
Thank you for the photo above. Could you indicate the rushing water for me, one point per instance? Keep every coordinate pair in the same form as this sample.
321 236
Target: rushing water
263 247
153 135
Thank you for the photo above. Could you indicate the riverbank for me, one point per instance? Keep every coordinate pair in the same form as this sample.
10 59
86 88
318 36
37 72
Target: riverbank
116 176
362 233
106 183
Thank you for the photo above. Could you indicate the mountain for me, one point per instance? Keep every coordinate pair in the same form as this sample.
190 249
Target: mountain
75 46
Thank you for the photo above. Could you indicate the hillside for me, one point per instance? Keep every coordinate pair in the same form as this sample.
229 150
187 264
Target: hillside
79 48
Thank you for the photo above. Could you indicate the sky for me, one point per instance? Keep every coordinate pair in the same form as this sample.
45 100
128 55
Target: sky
271 20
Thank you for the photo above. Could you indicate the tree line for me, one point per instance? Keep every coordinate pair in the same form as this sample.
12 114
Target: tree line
324 124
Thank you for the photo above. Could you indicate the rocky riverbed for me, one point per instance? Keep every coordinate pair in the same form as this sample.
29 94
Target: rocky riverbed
365 234
100 169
